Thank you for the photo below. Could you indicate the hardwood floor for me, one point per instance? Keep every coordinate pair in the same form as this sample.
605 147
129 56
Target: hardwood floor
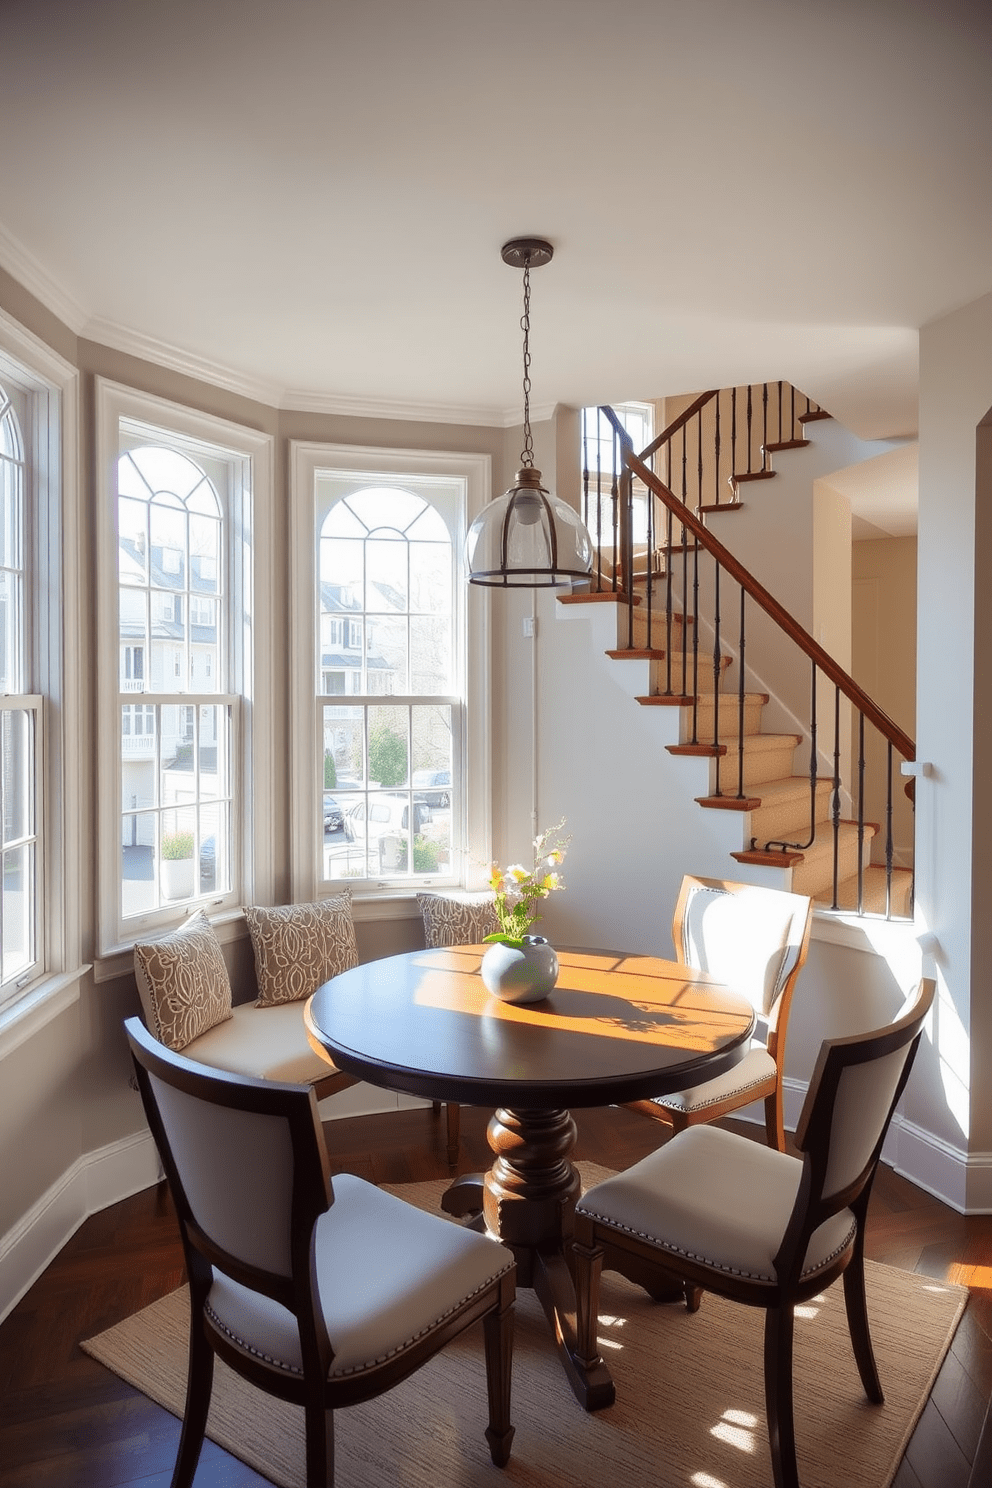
66 1422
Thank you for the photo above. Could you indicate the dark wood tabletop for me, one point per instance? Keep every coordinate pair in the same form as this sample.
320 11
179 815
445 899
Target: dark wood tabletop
616 1027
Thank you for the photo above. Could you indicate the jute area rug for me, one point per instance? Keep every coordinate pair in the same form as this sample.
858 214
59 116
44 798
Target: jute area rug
690 1397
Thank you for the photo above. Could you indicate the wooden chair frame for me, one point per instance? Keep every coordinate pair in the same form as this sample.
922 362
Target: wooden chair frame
312 1196
598 1246
770 1090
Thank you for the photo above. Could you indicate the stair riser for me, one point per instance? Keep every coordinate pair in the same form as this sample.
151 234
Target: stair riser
788 821
769 764
729 718
814 875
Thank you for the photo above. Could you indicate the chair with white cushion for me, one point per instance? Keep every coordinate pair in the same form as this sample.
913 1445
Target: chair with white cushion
321 1294
714 1210
754 940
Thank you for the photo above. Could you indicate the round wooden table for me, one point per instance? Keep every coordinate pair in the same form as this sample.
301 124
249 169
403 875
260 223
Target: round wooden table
616 1028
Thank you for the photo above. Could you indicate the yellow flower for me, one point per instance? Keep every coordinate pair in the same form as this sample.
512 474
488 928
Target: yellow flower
518 873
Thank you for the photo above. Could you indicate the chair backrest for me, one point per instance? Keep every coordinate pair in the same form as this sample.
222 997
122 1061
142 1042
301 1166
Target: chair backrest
753 939
855 1088
246 1164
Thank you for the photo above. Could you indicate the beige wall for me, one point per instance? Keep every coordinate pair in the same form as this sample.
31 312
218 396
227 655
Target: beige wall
883 661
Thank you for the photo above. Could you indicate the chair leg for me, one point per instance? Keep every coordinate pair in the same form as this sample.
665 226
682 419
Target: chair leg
319 1428
588 1266
498 1333
779 1328
775 1120
199 1382
454 1115
856 1305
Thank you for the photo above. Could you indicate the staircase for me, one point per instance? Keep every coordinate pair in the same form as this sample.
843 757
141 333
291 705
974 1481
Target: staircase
803 825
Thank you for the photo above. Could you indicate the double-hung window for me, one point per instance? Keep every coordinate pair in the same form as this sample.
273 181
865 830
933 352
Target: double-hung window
391 751
39 926
180 617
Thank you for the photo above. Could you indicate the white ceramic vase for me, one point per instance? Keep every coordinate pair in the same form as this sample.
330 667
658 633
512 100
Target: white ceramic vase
524 973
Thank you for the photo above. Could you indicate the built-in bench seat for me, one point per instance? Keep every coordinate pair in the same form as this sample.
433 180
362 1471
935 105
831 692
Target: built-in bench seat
269 1043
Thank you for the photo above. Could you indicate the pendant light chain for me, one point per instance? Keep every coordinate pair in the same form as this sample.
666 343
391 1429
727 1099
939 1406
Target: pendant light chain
527 454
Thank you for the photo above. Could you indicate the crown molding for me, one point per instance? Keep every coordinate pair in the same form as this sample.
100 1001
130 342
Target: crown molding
32 276
381 408
186 363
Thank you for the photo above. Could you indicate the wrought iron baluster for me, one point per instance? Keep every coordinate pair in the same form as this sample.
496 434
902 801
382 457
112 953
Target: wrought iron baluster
668 603
716 665
749 426
781 436
716 454
861 813
695 643
764 422
740 700
699 459
733 436
836 797
888 834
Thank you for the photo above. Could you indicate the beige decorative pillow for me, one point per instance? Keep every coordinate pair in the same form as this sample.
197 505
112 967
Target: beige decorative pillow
183 983
457 918
299 946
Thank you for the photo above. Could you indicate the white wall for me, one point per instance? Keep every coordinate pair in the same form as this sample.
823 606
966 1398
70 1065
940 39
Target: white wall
954 870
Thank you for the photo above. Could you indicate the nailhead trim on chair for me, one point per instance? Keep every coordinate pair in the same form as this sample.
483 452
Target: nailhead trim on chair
248 1348
669 1101
705 1260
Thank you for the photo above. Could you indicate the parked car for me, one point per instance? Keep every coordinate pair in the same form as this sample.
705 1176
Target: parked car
433 787
384 823
333 814
208 864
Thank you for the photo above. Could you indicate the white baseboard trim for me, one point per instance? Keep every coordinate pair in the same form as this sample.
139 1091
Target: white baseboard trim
94 1181
963 1180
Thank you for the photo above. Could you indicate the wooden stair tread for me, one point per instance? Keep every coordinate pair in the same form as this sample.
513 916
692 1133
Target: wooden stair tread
823 843
752 475
597 596
704 700
813 415
719 506
785 444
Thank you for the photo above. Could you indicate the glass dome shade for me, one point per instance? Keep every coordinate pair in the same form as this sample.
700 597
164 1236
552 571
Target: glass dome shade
528 539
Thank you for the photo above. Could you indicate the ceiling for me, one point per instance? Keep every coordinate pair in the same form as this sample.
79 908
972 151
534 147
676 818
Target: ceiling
305 199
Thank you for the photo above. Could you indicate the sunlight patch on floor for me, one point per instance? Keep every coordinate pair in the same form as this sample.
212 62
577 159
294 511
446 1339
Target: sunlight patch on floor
737 1429
969 1276
706 1480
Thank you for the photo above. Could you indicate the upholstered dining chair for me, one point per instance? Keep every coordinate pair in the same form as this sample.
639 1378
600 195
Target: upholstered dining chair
323 1294
755 940
455 917
713 1209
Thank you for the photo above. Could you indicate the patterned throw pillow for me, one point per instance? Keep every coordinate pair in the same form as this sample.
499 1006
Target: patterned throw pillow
299 946
183 983
457 919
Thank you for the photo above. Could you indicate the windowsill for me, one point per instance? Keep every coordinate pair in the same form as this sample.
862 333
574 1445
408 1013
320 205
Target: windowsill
117 961
29 1014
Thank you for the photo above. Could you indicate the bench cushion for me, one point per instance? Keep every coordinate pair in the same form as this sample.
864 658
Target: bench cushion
183 983
299 946
267 1043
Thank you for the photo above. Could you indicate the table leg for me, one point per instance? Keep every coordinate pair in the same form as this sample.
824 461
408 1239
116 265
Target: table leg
528 1199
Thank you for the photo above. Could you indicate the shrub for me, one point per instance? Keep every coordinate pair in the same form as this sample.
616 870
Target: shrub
176 845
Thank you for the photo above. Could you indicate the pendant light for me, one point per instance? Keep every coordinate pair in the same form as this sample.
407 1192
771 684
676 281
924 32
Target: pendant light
528 538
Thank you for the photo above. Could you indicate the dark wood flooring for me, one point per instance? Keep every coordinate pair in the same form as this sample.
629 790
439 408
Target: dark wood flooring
66 1422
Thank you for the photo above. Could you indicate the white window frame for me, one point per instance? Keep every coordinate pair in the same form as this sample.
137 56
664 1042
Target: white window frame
251 453
54 664
306 736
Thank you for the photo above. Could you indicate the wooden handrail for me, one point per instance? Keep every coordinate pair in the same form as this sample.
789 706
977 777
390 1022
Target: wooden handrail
677 424
777 612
